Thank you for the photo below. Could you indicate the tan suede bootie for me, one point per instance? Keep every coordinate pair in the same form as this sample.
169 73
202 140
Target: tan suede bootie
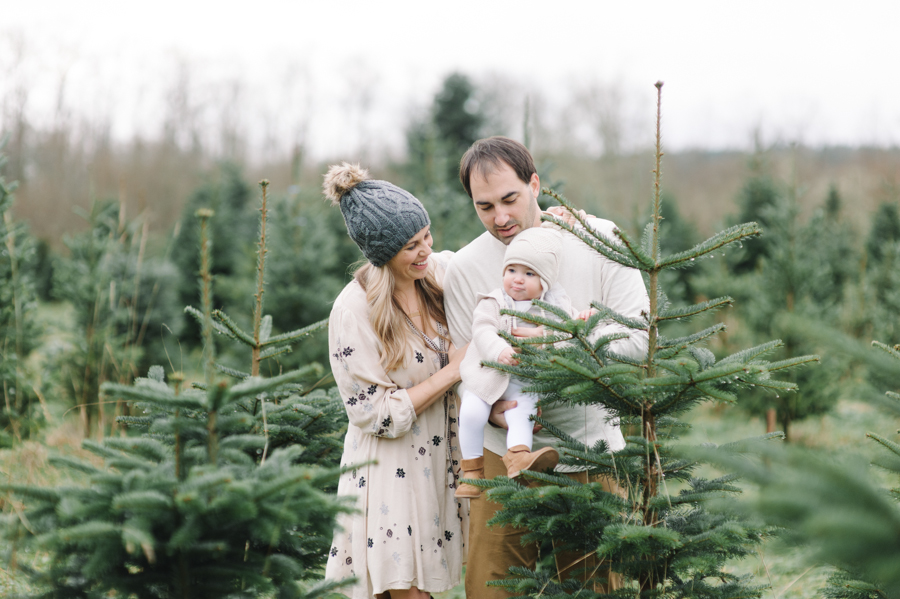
473 468
519 458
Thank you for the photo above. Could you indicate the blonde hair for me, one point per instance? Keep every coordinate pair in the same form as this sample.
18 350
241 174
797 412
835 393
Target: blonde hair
387 316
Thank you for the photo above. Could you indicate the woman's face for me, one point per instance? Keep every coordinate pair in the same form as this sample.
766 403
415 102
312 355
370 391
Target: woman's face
411 261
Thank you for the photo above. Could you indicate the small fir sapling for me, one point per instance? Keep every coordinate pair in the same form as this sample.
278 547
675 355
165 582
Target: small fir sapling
19 411
802 274
226 494
656 535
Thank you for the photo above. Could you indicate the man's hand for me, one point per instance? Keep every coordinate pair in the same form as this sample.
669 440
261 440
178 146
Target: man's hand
563 214
498 418
508 357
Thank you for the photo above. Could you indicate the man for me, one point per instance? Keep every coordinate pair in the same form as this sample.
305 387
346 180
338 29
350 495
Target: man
499 175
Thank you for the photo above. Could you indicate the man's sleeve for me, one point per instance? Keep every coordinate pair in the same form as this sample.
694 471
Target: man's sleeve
459 304
622 290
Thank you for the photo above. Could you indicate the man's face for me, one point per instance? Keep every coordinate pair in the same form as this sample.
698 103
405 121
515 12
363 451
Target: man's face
505 204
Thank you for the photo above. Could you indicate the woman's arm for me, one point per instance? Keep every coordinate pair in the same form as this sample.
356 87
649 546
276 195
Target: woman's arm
433 388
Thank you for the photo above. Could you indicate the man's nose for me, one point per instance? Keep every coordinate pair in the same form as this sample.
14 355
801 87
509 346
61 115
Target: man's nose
501 218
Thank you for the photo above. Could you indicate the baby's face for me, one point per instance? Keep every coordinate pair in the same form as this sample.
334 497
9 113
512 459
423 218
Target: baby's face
521 283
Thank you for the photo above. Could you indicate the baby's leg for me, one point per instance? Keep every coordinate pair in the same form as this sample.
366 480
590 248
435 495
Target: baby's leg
520 427
473 415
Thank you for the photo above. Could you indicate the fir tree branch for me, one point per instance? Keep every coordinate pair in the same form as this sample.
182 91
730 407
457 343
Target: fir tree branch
728 236
298 334
232 372
234 330
688 311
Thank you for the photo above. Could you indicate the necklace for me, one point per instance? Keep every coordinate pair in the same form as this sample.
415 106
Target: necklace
437 347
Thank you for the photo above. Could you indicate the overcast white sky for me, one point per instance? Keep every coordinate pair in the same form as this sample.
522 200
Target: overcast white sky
819 72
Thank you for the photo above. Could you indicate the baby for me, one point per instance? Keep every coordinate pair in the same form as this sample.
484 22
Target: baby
530 269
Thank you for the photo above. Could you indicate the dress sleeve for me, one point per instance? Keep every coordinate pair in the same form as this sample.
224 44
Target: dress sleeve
374 403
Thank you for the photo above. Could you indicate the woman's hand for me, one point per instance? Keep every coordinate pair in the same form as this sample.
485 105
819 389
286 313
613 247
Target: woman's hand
456 357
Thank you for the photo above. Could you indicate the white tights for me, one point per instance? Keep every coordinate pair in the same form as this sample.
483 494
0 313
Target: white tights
474 413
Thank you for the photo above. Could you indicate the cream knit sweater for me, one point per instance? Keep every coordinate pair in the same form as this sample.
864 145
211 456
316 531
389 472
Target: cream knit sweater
586 276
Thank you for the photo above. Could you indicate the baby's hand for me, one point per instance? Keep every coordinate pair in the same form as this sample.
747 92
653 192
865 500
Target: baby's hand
585 314
508 357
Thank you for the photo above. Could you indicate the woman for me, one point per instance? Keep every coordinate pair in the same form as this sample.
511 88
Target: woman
394 366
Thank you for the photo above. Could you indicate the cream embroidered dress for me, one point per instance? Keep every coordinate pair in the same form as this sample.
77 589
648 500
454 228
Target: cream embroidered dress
410 529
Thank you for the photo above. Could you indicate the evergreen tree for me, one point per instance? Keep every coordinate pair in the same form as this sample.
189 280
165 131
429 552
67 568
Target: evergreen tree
435 144
830 506
119 295
678 235
309 257
228 194
803 272
661 541
880 289
18 332
227 493
758 197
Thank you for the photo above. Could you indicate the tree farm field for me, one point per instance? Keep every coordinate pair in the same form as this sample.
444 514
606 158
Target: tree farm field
786 571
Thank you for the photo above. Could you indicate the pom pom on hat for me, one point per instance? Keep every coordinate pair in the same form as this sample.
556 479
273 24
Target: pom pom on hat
341 179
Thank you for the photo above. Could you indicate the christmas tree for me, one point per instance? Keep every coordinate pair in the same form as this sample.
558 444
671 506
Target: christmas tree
18 332
657 534
801 271
831 506
226 494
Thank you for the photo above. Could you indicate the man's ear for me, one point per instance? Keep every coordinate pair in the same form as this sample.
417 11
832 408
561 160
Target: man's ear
535 185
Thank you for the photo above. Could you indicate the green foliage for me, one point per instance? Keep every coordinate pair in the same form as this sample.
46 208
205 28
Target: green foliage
227 493
123 303
803 270
308 261
435 143
18 333
230 196
830 505
658 534
758 197
879 296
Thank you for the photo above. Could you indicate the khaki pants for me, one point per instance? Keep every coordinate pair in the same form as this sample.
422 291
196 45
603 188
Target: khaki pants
492 550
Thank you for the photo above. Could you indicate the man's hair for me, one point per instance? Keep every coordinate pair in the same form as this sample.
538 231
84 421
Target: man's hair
486 156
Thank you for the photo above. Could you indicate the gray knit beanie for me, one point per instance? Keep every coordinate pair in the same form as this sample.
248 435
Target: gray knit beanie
539 249
381 218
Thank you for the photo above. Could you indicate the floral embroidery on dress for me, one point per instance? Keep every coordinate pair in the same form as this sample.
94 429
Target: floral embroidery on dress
340 354
401 473
437 440
419 357
372 389
362 482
